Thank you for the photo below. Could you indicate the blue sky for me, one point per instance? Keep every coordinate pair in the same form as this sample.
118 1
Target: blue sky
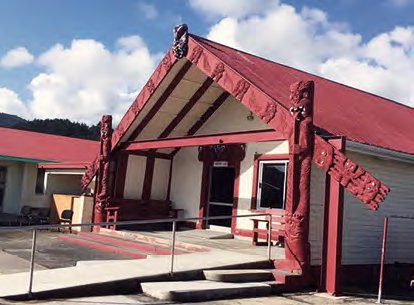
80 59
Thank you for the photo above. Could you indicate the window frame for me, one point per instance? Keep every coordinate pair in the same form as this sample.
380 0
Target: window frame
259 160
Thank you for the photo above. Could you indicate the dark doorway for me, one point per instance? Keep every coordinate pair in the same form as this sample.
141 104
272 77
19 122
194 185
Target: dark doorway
3 173
221 195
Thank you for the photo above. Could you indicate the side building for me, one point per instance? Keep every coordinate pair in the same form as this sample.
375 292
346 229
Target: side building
34 166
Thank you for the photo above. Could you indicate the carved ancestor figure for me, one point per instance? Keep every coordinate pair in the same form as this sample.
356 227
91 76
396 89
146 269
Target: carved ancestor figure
102 192
180 44
301 141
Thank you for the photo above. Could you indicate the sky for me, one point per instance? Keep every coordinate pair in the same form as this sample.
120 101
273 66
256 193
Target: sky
80 59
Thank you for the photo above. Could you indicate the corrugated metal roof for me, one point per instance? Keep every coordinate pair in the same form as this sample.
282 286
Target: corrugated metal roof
339 110
45 147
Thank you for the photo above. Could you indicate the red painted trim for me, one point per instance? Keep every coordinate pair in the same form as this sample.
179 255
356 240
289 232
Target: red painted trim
203 140
205 183
170 179
122 164
187 107
206 115
158 104
149 173
330 277
101 247
147 248
257 158
151 153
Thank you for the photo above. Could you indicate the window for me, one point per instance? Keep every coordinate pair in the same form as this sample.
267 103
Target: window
40 181
271 184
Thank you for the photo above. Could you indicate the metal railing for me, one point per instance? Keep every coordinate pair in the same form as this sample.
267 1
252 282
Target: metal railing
174 222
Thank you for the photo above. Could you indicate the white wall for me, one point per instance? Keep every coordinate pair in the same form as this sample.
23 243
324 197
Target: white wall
362 233
134 179
160 179
187 170
29 196
186 181
12 195
231 117
246 176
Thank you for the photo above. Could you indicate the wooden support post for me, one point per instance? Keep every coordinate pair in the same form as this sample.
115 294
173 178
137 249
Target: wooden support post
103 192
297 207
330 280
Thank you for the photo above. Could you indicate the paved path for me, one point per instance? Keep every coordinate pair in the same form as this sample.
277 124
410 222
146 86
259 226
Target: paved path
53 279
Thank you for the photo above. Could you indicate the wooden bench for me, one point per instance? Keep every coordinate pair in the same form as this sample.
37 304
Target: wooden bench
132 209
277 227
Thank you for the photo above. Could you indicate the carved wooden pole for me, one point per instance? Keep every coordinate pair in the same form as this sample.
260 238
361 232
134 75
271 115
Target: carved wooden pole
301 142
102 192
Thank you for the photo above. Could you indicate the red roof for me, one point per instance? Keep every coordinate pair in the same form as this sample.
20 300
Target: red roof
45 147
339 110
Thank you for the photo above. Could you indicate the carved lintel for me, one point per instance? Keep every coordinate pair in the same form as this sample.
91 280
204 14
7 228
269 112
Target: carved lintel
180 44
220 152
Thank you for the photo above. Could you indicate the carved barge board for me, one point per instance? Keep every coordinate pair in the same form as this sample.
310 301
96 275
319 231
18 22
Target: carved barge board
351 176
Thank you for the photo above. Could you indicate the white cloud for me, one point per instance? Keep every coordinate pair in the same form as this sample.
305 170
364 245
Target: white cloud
86 80
10 103
148 10
308 40
16 57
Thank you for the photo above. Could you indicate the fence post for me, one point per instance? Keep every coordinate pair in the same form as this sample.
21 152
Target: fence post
172 248
384 245
32 259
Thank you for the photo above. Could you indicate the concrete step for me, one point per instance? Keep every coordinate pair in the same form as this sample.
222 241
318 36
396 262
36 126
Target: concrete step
239 275
192 291
131 253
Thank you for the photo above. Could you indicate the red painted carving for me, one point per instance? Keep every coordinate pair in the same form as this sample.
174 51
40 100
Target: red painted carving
150 86
218 72
353 177
301 140
166 62
266 112
89 173
196 54
135 107
230 153
240 89
103 192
